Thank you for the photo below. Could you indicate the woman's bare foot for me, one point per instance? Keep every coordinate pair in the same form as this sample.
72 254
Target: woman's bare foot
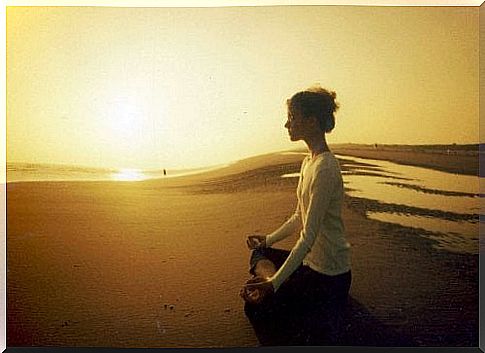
264 269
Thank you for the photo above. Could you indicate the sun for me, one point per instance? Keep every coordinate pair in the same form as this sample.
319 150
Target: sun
126 117
132 126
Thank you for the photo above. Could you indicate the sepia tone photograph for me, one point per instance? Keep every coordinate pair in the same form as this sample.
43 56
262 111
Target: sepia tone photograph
242 176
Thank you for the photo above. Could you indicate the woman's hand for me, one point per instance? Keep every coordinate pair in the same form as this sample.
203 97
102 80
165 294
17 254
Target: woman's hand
256 290
256 241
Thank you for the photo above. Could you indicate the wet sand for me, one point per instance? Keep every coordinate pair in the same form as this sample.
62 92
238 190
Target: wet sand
447 159
159 263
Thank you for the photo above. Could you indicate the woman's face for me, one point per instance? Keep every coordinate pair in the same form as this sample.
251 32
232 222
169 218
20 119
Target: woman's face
298 127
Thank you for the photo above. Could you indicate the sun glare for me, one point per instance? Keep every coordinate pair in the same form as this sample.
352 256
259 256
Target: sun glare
126 117
129 175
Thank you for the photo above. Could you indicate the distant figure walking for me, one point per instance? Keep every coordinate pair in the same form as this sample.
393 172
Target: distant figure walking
164 172
316 273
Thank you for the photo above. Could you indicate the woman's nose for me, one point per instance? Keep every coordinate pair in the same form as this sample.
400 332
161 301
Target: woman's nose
287 124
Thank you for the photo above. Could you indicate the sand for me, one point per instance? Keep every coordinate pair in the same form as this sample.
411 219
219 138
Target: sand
446 159
160 263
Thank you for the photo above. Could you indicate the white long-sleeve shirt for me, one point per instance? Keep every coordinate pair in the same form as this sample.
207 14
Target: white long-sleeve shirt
322 245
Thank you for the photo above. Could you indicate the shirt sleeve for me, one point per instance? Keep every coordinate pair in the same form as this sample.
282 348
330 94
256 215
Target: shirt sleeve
321 190
289 227
292 225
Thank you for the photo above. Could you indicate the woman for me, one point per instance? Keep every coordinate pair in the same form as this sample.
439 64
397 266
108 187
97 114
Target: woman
317 270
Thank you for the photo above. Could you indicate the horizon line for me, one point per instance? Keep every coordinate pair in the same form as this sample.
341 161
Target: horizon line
300 149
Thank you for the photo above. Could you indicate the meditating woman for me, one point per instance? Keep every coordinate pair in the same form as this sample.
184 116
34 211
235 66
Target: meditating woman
317 270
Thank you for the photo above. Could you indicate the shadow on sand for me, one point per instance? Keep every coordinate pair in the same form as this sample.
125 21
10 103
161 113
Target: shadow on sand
354 326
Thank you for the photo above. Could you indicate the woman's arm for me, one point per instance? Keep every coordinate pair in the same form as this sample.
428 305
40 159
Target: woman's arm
286 229
292 225
321 191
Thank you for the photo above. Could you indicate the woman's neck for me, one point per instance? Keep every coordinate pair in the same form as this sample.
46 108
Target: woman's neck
316 145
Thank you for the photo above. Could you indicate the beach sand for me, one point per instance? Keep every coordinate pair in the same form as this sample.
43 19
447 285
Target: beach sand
448 159
159 263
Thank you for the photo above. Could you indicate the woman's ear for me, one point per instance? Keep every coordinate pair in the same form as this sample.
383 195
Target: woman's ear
314 120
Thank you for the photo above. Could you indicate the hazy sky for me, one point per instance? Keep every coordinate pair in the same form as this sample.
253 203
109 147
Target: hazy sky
180 88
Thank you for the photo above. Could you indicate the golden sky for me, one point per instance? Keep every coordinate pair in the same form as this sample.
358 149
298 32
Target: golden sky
189 87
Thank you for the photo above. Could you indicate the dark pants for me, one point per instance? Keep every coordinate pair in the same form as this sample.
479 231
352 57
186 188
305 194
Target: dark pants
308 300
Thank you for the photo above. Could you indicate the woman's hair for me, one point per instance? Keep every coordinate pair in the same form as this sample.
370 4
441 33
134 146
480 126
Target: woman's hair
318 102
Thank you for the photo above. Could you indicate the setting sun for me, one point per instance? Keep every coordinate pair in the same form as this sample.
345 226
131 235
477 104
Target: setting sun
126 117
